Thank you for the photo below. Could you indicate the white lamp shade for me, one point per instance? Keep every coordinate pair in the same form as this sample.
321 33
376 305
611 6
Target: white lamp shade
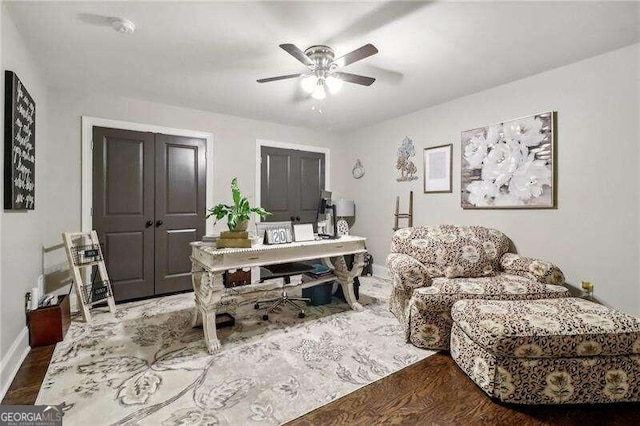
345 208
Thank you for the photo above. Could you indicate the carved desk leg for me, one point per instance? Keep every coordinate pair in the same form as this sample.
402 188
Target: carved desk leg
208 290
346 276
196 279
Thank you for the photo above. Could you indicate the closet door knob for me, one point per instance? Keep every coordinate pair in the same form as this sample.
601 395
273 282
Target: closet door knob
148 224
158 223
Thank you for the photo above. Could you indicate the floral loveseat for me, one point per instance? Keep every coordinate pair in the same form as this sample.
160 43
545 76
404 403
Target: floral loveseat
435 266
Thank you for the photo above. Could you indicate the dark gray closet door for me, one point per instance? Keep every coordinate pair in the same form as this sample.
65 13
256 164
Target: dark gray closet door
291 184
180 209
311 185
278 188
123 208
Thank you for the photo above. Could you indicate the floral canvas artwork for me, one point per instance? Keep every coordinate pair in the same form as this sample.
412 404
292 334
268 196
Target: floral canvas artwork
510 164
406 167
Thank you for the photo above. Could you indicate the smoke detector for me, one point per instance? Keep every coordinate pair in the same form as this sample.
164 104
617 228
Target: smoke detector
123 26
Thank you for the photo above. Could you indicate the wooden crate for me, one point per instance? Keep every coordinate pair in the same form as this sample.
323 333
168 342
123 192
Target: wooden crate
49 325
237 278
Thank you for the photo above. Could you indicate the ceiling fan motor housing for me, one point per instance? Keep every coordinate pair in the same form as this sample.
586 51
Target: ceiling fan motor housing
322 56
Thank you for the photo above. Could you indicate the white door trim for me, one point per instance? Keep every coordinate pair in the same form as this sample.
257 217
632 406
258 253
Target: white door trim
86 223
285 145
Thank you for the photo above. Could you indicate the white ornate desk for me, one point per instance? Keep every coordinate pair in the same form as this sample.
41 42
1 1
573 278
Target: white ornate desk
209 263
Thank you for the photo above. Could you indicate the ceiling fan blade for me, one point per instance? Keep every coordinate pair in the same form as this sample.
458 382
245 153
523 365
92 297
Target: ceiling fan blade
355 78
280 77
357 55
297 53
382 74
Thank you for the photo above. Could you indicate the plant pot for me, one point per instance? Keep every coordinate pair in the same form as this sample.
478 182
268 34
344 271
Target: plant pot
241 226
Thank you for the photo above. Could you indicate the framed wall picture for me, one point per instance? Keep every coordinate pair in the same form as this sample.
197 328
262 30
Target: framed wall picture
19 145
438 162
510 165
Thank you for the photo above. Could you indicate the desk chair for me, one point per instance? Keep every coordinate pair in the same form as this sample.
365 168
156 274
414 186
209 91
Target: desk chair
285 271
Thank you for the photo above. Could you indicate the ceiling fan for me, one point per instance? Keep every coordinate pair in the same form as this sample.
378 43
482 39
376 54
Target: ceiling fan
323 68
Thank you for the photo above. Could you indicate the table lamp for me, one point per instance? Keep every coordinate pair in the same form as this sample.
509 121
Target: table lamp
344 208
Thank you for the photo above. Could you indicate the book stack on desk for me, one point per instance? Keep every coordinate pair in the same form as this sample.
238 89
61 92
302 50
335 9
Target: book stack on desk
233 239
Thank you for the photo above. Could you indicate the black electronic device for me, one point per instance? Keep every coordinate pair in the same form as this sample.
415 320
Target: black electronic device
325 205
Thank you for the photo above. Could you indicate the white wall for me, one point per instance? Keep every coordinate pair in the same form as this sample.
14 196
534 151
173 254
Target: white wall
22 231
593 235
234 154
234 147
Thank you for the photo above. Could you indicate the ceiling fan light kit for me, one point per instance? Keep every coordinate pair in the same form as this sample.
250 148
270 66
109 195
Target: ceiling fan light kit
322 67
319 91
334 84
309 83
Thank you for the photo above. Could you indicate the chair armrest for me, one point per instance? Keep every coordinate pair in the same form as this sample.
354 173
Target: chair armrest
407 272
536 269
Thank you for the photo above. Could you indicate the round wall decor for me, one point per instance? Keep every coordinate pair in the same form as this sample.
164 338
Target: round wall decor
358 170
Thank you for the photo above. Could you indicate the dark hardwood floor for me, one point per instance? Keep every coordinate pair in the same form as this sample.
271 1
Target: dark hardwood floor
436 392
433 391
26 385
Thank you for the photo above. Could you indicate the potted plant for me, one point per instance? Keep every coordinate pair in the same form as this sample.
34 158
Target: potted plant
239 213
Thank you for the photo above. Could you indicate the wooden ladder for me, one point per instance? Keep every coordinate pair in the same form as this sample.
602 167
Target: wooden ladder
88 254
408 216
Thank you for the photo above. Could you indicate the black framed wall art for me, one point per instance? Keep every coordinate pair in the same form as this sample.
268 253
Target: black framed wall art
19 145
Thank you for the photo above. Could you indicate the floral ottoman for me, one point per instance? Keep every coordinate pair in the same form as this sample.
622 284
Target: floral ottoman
430 307
555 351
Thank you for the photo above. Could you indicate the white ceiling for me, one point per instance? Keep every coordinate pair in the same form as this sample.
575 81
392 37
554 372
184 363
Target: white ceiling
208 55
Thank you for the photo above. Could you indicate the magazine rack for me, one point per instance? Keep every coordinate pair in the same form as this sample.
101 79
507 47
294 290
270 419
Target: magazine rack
83 251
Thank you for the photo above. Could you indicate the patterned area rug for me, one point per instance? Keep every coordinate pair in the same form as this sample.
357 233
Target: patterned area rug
148 366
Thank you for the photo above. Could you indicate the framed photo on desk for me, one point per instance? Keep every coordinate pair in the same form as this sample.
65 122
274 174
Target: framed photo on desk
277 236
303 232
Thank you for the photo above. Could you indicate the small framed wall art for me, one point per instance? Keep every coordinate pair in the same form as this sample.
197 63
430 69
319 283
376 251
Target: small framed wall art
406 167
438 162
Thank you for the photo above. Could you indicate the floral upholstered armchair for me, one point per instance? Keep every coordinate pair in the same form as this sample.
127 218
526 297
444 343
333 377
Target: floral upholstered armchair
432 267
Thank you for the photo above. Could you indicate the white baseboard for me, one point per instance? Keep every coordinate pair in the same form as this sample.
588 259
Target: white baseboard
12 361
380 271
